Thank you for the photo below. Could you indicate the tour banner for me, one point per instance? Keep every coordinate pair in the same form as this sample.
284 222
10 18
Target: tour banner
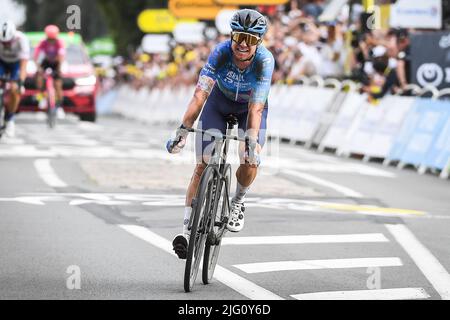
430 59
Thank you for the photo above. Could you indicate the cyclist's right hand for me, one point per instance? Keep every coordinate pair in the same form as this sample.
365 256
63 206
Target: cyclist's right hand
175 145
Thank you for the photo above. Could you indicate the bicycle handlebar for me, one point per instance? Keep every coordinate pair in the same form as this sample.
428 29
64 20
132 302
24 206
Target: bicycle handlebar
217 135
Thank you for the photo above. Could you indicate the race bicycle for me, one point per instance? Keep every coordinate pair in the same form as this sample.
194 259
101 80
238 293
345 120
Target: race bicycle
50 97
210 209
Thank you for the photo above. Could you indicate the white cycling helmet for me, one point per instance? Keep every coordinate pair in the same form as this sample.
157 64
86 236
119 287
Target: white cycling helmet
7 31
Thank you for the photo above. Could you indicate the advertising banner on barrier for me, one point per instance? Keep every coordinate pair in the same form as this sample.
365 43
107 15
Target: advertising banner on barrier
439 153
430 59
384 126
336 134
302 113
424 123
416 14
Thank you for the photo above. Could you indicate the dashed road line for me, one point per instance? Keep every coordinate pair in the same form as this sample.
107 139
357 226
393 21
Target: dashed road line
230 279
374 294
260 267
424 259
47 174
306 239
341 189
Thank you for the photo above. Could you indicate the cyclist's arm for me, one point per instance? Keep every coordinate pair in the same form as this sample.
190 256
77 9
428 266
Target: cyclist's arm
61 51
37 51
259 95
24 56
23 69
205 84
255 110
198 100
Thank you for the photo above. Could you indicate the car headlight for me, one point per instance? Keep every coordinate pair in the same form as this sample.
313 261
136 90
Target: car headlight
86 81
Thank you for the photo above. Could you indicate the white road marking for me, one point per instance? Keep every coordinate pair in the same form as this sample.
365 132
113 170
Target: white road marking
341 189
301 239
427 263
47 173
287 205
230 279
319 264
375 294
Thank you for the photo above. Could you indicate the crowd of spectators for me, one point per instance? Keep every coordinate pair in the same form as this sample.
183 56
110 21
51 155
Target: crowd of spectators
302 45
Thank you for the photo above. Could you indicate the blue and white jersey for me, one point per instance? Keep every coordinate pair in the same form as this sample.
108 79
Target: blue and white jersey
249 85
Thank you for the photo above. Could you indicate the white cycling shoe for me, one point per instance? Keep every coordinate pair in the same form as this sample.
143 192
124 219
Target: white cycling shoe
236 220
10 129
60 113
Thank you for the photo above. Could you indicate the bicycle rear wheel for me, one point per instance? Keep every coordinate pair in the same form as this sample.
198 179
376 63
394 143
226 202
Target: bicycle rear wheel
198 232
219 215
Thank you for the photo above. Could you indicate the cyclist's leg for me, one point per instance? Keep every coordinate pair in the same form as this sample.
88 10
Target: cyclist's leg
13 70
56 67
3 72
246 173
40 75
210 119
11 107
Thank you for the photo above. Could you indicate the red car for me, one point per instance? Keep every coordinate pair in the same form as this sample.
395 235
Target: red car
79 80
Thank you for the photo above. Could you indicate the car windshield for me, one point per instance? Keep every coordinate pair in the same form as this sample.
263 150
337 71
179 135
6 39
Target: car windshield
75 55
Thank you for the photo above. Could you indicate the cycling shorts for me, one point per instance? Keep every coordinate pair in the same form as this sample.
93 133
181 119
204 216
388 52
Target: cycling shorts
214 115
54 65
11 69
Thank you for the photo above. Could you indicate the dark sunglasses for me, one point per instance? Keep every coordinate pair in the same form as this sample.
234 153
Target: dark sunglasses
250 39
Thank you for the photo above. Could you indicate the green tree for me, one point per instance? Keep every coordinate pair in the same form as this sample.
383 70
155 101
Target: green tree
121 17
40 13
117 18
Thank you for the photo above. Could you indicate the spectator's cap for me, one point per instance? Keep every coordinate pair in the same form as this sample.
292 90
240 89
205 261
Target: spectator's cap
378 51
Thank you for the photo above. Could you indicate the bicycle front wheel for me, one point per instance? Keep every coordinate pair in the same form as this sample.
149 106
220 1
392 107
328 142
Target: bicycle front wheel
51 116
199 228
219 215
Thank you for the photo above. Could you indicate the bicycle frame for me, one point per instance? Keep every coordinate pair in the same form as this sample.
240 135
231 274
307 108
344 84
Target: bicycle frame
51 96
218 160
50 88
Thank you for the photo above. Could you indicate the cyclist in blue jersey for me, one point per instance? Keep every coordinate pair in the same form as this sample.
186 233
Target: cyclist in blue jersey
235 80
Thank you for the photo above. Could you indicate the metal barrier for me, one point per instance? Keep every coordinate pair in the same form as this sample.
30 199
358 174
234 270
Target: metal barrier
331 115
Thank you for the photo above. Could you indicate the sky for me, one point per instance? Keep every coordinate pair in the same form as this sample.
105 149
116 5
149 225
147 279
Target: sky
12 11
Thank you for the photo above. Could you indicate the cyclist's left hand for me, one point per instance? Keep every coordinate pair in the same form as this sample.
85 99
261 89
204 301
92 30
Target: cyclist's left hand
175 145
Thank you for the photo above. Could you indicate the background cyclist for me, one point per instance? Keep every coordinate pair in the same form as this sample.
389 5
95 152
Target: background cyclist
14 54
53 50
235 80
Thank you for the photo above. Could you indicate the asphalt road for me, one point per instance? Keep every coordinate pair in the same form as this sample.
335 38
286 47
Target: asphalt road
88 211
